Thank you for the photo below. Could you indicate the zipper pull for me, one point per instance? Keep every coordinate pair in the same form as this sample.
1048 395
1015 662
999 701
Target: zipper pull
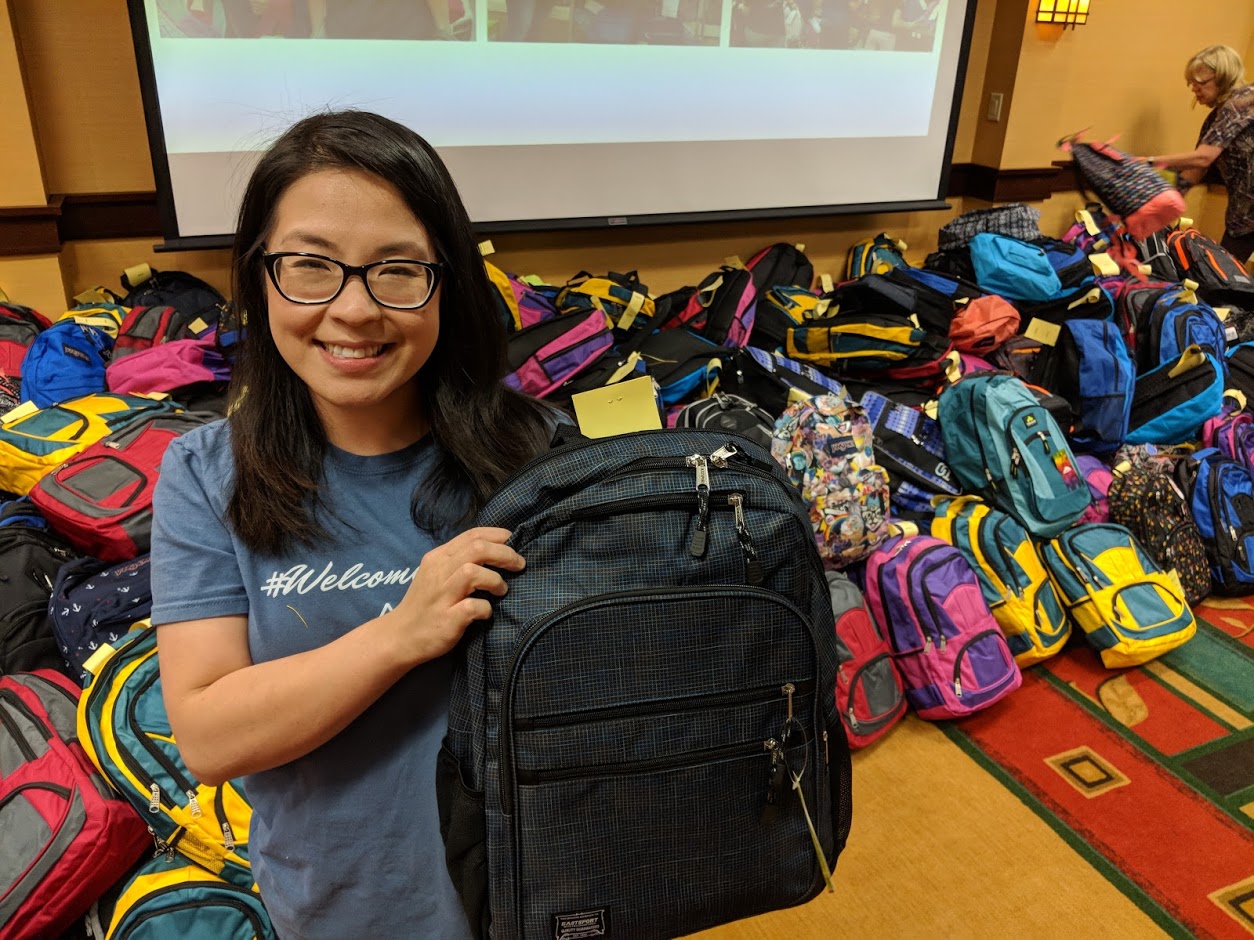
228 837
720 457
958 686
826 757
701 534
777 784
753 568
154 800
853 723
193 804
788 689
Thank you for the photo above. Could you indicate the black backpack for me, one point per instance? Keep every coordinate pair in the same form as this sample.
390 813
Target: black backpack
778 265
185 292
30 557
621 733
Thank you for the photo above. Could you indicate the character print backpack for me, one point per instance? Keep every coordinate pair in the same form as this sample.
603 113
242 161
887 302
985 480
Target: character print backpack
697 772
824 445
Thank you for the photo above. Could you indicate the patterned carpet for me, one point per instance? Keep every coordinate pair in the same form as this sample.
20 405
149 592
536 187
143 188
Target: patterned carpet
1147 773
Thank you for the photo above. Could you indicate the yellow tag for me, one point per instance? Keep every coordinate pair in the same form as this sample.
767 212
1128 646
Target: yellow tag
1174 577
1104 264
1184 223
633 307
1223 313
1191 358
907 529
21 411
93 295
1189 294
1085 218
1043 331
618 409
718 282
533 279
98 658
137 274
1145 269
826 281
198 326
485 248
902 246
795 395
155 396
1090 298
1236 395
1123 466
953 367
800 246
818 310
932 409
733 261
625 369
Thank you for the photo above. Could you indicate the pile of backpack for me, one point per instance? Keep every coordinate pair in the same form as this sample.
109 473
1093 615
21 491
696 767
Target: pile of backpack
1024 441
1025 438
100 816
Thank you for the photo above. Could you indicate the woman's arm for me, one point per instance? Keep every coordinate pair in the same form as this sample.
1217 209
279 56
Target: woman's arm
231 716
1198 159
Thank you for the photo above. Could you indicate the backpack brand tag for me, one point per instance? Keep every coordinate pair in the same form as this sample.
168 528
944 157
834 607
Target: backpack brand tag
76 353
581 925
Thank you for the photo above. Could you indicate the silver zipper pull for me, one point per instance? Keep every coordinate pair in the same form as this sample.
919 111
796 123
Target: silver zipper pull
853 723
228 837
788 689
701 534
958 686
826 757
154 799
720 457
192 803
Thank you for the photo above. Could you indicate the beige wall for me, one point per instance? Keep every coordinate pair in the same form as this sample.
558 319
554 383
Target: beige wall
1122 73
85 131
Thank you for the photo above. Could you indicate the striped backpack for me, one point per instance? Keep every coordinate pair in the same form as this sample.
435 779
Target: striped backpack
824 445
122 725
1128 186
1012 576
167 897
950 652
1129 609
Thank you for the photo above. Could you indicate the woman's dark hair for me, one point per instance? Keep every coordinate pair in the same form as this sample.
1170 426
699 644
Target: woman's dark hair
485 430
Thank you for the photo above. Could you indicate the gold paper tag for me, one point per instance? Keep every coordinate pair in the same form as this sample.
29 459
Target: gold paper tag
21 411
485 247
1104 264
1043 331
826 280
618 409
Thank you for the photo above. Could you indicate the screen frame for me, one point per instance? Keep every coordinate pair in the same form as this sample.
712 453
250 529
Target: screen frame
173 241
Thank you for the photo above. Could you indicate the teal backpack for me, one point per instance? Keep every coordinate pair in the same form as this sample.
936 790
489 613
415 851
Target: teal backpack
1004 445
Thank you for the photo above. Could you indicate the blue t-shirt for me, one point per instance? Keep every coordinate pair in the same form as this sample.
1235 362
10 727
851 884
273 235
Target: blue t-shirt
345 841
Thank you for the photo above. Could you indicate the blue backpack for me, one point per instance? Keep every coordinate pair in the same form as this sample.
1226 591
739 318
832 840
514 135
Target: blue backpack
1014 269
65 361
1004 445
1175 321
1221 498
1170 404
1095 374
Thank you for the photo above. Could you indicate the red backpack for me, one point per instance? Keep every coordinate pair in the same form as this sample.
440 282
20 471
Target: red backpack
67 836
18 328
100 500
869 694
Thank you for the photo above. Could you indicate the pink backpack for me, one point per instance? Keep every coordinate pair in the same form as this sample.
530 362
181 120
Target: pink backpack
168 366
1129 187
1098 476
949 650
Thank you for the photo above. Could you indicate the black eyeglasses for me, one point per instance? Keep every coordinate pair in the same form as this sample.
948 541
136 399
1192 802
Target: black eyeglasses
305 278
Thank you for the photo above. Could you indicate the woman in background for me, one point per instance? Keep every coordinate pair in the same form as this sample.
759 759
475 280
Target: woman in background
1216 76
302 642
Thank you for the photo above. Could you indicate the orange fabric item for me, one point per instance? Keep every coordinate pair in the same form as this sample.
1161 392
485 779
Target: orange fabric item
984 324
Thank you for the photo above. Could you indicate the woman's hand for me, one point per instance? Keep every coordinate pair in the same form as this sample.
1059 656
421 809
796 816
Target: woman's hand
439 604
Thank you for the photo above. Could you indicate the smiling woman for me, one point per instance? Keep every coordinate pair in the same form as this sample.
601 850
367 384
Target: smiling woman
372 365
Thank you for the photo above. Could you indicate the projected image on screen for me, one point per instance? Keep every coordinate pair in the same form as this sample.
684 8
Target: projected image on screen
600 112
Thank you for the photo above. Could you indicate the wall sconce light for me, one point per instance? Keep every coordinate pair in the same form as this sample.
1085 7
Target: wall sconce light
1063 12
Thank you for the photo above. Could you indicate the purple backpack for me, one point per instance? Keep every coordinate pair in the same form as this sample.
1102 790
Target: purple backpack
1098 476
951 654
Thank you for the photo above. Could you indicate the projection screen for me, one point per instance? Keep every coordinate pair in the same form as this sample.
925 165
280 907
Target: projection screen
554 113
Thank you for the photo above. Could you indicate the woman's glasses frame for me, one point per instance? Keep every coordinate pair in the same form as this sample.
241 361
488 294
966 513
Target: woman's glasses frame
272 259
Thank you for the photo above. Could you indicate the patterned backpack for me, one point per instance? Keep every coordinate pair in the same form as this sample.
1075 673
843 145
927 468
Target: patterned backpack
824 445
1146 501
1131 188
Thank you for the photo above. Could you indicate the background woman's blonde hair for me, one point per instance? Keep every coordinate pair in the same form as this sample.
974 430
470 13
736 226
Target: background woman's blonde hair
1225 62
